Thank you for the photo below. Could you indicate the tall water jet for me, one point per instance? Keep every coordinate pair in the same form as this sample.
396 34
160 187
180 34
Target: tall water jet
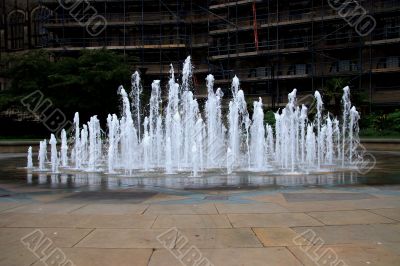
199 140
94 143
303 123
215 128
53 153
310 147
42 156
237 120
212 120
77 144
29 163
336 133
159 141
135 95
64 149
172 124
195 163
257 132
292 117
146 145
346 112
168 156
189 111
113 132
129 139
155 130
269 142
229 161
84 145
278 138
329 141
318 98
187 72
353 133
322 144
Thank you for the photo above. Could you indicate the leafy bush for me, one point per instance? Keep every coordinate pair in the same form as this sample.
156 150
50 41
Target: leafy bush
393 120
87 83
269 118
375 125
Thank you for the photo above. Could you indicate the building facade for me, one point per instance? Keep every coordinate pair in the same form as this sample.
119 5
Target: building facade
272 46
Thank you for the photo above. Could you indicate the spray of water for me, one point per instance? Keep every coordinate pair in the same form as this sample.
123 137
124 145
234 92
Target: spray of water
185 138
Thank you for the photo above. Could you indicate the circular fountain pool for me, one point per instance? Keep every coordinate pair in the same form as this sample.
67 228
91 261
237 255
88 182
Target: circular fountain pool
386 171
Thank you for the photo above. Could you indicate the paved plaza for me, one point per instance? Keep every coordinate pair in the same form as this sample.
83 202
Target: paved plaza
357 225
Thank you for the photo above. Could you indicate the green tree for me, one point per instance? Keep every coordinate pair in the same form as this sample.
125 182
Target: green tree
27 72
333 91
87 84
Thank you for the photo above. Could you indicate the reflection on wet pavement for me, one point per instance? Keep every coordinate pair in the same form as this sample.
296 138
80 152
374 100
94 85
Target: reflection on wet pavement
385 172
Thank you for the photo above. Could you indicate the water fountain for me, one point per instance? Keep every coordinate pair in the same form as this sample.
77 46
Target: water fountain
53 152
185 139
64 149
42 156
29 163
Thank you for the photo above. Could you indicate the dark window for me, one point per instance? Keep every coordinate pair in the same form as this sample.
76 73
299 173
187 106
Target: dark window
39 32
16 22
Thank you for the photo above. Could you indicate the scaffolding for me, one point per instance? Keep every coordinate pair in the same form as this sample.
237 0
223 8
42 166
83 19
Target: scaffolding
273 46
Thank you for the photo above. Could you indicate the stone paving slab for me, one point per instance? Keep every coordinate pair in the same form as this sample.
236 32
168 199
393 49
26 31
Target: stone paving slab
250 208
303 197
16 255
393 214
231 257
125 196
61 237
35 220
377 203
54 208
341 205
269 198
220 238
349 254
76 221
52 197
349 217
115 221
159 198
279 236
111 209
192 221
9 205
319 206
122 238
182 209
105 257
372 234
272 220
13 252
